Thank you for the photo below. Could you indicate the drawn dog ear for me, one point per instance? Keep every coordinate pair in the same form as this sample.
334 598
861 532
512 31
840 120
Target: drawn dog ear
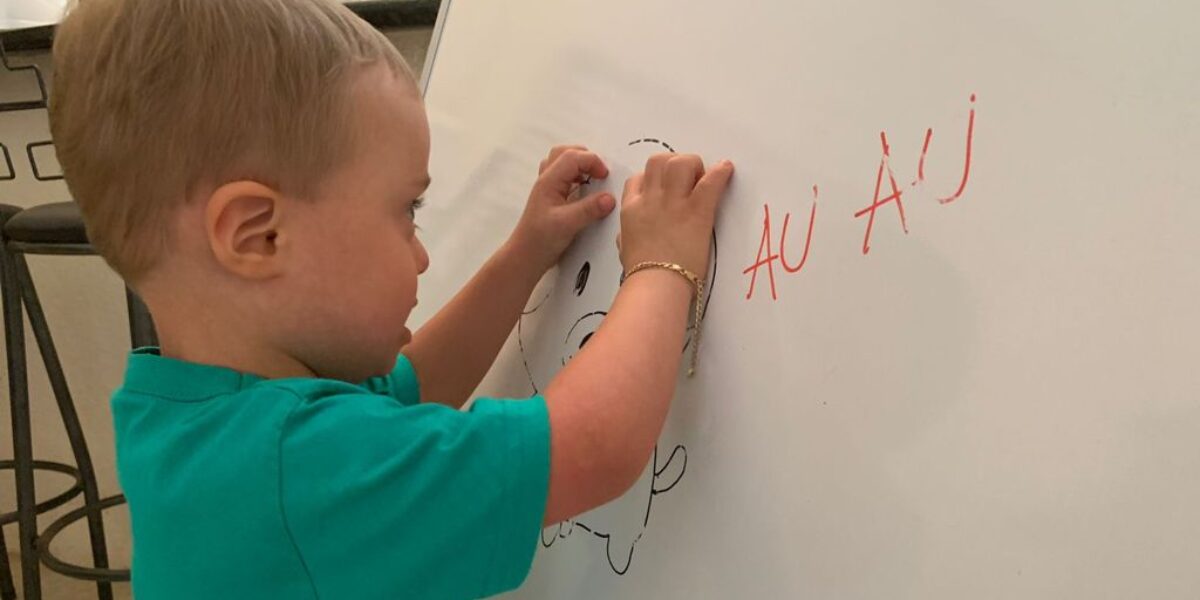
670 472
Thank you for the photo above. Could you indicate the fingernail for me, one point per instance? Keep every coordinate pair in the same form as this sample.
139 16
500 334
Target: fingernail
608 202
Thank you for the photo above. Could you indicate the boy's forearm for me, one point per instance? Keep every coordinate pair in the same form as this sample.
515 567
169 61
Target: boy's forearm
455 349
608 405
625 376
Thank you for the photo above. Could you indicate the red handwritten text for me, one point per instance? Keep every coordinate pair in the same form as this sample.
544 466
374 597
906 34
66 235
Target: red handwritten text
766 255
895 196
967 163
767 258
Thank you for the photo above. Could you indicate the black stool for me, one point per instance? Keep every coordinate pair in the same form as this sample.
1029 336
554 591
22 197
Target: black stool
50 229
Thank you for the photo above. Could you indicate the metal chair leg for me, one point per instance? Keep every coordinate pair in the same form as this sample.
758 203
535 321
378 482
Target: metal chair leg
70 418
18 387
7 591
74 571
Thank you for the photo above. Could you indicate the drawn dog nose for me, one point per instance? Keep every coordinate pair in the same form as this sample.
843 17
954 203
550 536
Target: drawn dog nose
583 330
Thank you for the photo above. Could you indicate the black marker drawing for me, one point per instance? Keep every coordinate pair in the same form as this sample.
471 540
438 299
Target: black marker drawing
575 315
619 552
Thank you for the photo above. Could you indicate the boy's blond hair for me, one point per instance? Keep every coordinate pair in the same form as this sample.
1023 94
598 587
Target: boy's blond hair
153 99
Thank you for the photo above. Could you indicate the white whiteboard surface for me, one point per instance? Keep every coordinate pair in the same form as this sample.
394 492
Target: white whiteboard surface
1002 403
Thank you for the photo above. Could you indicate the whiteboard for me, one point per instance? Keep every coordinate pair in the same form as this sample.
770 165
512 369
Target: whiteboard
996 396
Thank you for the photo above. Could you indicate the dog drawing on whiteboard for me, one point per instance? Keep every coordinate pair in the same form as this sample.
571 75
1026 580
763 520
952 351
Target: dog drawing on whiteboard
557 324
621 527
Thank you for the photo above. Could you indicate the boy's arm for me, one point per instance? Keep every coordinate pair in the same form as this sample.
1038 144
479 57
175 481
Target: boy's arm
455 349
607 406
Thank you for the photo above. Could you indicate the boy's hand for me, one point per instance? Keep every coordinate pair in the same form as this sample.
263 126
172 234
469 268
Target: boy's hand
553 217
667 212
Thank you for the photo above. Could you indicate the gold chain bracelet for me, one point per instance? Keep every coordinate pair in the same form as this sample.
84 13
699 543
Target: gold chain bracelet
697 287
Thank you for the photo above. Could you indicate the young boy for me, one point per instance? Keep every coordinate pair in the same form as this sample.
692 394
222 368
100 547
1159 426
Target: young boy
252 168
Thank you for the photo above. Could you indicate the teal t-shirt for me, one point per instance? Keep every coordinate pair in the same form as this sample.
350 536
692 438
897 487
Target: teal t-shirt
243 487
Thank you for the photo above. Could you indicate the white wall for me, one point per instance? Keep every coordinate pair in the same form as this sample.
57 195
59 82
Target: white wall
17 14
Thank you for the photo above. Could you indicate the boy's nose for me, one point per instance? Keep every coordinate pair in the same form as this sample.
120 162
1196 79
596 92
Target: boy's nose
422 257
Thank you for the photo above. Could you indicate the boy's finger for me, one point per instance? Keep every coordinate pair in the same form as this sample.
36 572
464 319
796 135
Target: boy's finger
557 151
655 166
682 173
590 209
711 187
570 167
633 185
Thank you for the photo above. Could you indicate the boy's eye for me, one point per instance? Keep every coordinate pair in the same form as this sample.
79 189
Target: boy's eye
414 206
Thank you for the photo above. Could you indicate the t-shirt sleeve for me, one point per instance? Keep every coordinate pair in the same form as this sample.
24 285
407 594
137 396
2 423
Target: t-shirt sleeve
384 500
401 384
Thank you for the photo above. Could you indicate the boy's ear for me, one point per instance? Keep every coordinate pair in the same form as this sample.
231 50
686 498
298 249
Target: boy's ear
242 220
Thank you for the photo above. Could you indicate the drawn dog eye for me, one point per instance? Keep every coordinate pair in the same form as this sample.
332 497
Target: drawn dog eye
585 340
582 277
